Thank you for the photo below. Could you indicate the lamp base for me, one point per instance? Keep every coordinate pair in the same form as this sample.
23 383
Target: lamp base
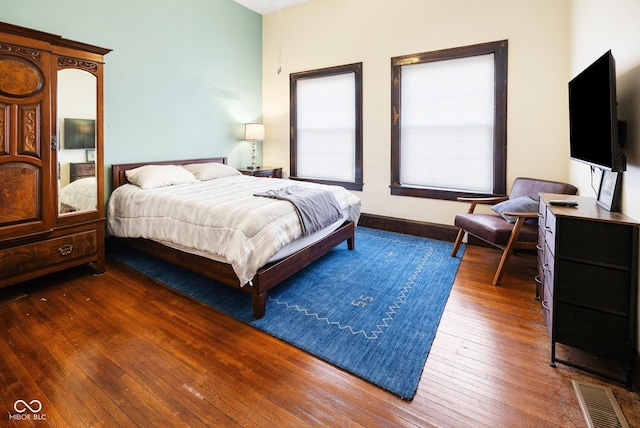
254 167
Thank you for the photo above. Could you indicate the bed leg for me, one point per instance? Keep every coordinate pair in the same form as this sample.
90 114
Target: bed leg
351 243
259 304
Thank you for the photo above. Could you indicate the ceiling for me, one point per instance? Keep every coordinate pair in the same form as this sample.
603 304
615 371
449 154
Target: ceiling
264 7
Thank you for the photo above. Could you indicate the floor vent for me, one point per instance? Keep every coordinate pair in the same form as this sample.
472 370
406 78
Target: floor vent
599 406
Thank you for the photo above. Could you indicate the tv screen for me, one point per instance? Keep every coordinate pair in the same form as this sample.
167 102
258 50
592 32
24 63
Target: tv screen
79 133
594 137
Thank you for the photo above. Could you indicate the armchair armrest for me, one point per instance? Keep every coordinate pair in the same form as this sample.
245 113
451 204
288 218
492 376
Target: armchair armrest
488 200
492 200
523 215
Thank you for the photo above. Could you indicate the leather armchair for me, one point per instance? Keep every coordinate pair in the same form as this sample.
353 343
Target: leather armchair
500 233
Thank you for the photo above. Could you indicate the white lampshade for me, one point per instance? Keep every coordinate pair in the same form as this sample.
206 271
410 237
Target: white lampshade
253 131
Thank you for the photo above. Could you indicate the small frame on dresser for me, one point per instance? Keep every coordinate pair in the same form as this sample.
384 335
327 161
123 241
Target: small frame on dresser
609 191
91 155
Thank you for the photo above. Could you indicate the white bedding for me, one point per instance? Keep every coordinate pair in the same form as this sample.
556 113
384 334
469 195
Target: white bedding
217 218
80 195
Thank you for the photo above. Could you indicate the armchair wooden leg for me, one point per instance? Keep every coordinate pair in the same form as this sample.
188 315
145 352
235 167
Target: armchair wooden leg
506 254
501 267
457 243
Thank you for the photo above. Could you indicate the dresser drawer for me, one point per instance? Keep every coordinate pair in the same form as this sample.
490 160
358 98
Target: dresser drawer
542 207
593 331
540 246
548 268
594 287
605 243
540 256
81 170
547 306
542 212
550 231
541 240
31 257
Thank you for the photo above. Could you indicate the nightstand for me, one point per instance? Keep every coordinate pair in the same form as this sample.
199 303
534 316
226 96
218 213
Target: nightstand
265 171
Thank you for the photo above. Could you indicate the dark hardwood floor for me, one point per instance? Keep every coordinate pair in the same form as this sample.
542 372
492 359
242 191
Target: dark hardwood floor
121 350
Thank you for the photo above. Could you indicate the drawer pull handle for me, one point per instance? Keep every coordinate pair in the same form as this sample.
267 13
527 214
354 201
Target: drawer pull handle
538 247
66 249
544 305
537 279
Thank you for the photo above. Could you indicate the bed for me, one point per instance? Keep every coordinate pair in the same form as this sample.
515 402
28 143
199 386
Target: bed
212 250
79 195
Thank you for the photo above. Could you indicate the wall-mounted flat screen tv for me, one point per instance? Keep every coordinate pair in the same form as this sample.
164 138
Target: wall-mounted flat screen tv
79 133
596 134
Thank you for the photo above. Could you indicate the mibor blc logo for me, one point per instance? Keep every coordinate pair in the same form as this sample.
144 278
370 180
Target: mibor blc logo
27 411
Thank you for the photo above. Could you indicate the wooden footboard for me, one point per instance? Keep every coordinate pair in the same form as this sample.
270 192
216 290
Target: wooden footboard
273 274
265 279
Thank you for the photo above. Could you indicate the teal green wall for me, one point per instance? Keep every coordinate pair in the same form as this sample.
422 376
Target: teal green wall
182 78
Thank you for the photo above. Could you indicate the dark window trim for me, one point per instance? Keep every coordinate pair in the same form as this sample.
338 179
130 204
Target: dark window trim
499 49
356 69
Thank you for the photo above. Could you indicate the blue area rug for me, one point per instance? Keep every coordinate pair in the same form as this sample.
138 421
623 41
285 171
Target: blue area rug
373 311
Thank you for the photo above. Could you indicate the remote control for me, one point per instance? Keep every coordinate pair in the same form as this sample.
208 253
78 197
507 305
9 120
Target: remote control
563 203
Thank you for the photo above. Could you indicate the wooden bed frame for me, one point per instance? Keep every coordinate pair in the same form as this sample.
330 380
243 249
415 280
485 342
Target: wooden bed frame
265 279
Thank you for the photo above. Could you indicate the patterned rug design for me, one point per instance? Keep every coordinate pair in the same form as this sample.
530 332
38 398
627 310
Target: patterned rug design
373 311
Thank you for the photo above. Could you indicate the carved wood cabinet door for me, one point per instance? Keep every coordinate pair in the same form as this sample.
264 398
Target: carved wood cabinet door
25 167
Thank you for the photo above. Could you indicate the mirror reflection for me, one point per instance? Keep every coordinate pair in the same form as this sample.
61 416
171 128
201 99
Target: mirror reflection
76 122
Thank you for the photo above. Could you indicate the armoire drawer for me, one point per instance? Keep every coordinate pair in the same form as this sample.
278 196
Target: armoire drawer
30 257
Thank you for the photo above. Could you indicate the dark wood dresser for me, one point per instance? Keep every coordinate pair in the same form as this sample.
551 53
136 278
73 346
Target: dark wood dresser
588 274
81 170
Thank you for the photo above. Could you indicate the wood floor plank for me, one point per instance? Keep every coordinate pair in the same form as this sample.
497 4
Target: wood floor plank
151 366
122 350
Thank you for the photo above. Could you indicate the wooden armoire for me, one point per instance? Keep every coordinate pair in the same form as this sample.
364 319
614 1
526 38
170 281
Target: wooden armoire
48 86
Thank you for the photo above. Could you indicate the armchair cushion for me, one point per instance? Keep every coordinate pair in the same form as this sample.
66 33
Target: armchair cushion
522 204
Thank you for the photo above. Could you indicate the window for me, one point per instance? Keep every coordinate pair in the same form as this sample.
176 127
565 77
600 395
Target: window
326 126
448 130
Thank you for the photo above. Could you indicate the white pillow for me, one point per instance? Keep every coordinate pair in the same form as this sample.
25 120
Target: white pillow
151 176
210 171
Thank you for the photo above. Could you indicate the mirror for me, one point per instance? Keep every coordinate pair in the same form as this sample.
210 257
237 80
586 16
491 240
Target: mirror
76 131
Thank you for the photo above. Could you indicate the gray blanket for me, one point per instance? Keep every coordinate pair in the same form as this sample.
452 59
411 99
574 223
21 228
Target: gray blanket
316 208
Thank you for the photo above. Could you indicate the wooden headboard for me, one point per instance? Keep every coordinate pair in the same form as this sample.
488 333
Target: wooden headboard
118 170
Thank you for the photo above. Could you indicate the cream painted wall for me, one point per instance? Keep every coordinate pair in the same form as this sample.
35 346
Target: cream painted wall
324 33
597 27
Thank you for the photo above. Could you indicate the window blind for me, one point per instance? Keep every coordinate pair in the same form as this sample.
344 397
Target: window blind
447 124
326 134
